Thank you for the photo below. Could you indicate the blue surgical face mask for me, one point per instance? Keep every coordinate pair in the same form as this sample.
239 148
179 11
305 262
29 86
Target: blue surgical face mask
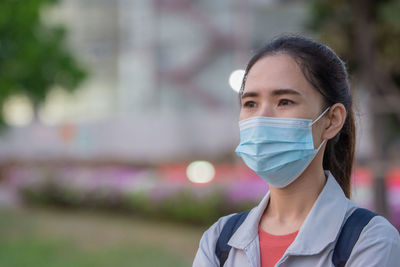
277 149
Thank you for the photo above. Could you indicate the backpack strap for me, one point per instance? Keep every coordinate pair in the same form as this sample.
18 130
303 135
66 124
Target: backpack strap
349 235
222 248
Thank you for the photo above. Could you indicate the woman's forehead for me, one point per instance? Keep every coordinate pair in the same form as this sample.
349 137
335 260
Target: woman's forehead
274 72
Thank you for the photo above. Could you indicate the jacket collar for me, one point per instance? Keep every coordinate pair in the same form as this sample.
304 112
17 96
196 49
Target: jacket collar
319 229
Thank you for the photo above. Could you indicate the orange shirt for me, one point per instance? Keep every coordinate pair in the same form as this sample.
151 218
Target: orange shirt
272 247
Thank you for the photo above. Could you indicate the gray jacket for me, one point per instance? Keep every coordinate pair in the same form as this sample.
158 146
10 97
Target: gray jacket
378 244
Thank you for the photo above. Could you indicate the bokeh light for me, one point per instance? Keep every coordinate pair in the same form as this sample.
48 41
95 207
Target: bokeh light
200 172
18 111
235 79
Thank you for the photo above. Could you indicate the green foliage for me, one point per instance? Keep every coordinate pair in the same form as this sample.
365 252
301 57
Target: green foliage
183 206
186 208
334 22
34 56
389 35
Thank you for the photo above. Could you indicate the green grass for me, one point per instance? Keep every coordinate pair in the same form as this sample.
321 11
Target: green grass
34 252
43 237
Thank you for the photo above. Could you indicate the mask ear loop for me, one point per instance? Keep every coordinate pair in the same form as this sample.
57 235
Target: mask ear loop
320 116
320 145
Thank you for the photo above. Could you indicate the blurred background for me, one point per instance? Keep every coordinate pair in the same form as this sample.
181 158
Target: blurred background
119 120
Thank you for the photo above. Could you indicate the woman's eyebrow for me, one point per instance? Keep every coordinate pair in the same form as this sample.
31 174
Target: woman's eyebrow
249 94
285 91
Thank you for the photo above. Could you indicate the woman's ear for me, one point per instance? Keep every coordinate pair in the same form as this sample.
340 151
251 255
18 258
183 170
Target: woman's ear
337 116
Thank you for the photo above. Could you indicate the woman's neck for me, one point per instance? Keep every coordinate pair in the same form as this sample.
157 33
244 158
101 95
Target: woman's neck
289 206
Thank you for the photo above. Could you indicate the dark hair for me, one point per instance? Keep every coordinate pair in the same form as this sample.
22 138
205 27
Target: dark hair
327 73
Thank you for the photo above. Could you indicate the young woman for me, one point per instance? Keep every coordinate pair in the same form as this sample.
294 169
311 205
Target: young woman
297 133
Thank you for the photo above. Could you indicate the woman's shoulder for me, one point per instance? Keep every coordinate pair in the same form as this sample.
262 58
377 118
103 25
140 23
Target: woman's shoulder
215 229
377 228
380 228
205 255
378 245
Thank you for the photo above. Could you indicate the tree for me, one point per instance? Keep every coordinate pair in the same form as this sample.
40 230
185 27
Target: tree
34 56
367 34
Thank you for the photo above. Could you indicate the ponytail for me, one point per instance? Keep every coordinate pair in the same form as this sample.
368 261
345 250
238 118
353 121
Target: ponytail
339 154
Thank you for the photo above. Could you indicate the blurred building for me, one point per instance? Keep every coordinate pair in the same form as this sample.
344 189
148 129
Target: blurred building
158 89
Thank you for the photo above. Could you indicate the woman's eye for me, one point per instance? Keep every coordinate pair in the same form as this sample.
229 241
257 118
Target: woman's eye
250 104
284 102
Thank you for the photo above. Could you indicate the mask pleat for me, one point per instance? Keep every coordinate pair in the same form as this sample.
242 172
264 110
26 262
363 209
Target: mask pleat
277 149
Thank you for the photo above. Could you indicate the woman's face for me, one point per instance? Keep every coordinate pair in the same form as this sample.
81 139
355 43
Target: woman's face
276 87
